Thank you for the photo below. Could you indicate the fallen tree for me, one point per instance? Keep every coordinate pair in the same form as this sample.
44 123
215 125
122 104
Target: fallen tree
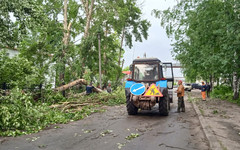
71 106
74 105
71 84
74 83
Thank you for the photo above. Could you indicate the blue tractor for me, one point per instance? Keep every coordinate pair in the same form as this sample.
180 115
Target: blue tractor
151 83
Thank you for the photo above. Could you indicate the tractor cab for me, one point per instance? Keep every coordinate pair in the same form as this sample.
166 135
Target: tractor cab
151 70
149 76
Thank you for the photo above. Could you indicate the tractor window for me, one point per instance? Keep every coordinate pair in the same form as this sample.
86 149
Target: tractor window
146 72
168 74
167 70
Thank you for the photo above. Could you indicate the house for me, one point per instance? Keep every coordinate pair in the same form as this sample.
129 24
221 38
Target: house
127 74
10 52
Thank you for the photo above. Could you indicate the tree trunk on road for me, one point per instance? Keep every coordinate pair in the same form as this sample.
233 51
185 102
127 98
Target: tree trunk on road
74 83
71 84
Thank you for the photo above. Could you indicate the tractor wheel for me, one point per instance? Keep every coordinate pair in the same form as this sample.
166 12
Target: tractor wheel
131 108
164 106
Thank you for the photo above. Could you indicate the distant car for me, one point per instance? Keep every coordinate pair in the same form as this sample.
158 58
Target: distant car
187 87
196 86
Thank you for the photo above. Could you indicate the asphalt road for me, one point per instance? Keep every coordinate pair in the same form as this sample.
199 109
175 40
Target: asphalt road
108 131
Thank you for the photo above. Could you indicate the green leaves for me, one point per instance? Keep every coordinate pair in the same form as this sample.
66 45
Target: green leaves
132 136
35 28
204 34
17 71
17 18
20 114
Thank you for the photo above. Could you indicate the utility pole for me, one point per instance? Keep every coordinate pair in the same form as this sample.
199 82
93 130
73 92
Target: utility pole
99 56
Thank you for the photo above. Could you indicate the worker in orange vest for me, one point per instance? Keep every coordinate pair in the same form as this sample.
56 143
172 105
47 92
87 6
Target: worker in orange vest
180 95
203 89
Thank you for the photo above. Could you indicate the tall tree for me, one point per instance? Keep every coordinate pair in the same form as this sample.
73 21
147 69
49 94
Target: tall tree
205 34
88 8
117 21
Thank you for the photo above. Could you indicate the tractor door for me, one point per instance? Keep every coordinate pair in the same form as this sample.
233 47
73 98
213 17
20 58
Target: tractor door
168 74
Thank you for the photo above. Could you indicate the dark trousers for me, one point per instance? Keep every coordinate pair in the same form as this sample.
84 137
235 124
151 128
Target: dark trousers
208 93
181 104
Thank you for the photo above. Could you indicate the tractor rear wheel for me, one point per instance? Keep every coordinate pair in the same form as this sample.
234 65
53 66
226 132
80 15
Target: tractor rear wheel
131 108
164 106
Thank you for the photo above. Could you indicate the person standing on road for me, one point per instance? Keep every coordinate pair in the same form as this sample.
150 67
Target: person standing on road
203 91
180 95
208 89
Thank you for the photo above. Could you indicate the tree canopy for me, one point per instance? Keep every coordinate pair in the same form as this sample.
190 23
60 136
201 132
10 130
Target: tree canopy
57 44
60 37
205 37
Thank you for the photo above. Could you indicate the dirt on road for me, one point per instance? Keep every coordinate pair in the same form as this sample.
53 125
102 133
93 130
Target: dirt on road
114 129
222 117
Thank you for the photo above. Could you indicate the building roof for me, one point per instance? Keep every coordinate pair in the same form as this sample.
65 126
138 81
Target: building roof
126 72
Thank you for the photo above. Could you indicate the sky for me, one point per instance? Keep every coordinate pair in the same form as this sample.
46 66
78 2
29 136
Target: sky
158 44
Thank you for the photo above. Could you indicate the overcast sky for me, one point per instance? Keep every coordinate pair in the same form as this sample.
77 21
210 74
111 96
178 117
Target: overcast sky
157 44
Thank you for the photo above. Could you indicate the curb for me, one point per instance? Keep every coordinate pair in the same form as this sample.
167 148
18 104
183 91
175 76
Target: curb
208 132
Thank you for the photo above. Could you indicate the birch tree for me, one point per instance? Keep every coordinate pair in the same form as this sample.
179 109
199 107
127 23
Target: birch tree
206 40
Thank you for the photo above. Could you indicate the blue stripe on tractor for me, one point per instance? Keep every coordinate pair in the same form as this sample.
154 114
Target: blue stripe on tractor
129 84
162 83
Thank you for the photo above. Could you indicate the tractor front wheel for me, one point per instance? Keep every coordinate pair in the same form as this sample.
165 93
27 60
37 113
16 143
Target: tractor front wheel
164 106
131 108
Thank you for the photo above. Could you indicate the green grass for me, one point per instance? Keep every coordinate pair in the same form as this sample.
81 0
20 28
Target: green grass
221 144
201 111
215 112
192 99
224 93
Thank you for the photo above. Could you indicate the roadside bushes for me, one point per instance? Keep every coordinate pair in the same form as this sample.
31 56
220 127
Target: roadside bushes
20 114
21 111
18 72
117 97
223 92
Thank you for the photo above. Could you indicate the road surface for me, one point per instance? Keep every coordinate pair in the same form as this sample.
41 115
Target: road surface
109 131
